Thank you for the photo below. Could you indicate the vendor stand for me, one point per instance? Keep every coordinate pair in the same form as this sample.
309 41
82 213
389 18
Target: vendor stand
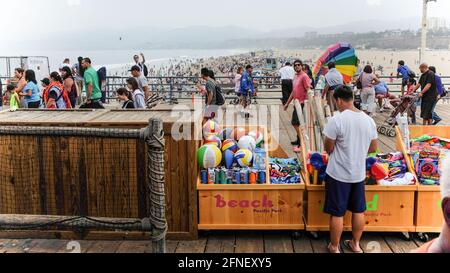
428 212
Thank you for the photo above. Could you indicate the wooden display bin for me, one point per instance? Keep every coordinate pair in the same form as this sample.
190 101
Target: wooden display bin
252 207
428 212
389 208
179 169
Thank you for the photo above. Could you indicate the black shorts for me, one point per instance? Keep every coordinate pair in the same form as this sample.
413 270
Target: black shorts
34 104
427 107
404 82
286 89
341 197
93 105
295 121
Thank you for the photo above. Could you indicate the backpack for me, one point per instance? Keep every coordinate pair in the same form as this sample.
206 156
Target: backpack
145 69
63 95
101 76
411 74
220 98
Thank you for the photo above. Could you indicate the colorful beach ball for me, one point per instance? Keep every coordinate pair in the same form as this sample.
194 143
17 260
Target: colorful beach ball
228 159
211 128
225 134
209 156
238 133
244 157
258 136
247 142
229 144
213 140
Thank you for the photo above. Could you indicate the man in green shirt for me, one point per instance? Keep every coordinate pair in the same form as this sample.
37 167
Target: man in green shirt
92 86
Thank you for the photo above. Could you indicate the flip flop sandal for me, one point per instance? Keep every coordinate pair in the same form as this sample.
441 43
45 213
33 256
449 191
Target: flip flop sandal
347 244
329 251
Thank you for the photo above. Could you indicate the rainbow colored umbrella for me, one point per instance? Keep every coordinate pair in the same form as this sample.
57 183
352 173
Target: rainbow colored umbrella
343 55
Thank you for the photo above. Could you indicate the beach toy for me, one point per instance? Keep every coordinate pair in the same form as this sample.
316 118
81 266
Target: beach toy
229 144
211 128
228 158
369 163
238 133
209 156
225 134
258 136
421 138
213 140
244 157
379 171
316 161
247 142
343 55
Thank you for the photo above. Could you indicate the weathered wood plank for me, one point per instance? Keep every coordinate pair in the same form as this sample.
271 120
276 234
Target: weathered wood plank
278 243
374 243
399 245
197 246
247 242
135 247
104 247
302 245
221 243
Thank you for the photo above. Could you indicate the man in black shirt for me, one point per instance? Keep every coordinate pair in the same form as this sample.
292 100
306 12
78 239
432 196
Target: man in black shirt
428 93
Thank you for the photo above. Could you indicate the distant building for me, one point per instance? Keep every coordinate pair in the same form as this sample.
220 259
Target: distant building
437 24
311 34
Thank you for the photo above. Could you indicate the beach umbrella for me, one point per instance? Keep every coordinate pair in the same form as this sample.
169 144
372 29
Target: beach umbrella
343 55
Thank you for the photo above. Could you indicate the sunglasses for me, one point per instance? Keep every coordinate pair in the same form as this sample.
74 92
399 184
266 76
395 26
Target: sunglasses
295 65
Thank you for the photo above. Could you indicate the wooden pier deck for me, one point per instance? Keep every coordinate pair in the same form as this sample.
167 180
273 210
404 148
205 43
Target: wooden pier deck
241 241
217 242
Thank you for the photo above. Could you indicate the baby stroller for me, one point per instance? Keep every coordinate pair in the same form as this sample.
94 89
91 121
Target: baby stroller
407 105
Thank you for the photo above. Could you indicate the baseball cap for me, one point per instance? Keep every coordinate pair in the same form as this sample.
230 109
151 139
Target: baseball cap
45 81
135 68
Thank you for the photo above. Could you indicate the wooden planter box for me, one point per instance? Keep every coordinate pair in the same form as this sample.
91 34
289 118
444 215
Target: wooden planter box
428 212
180 168
252 207
389 209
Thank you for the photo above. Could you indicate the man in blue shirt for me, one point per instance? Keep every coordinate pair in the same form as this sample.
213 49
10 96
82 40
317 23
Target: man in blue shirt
440 89
247 86
403 71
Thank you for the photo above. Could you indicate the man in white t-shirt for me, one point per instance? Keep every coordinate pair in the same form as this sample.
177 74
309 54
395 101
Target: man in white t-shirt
350 136
287 74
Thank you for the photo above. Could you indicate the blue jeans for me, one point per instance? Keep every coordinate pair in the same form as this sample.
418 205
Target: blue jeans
436 117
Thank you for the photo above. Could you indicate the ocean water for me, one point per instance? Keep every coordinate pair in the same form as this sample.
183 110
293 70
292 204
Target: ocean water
114 59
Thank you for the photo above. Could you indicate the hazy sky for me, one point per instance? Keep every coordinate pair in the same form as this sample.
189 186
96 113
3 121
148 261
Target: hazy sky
41 16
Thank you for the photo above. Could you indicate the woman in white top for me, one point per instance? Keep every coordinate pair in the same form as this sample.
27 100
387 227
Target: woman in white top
237 84
237 80
368 81
137 94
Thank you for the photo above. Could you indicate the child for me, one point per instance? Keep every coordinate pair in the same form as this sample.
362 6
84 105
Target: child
127 98
11 98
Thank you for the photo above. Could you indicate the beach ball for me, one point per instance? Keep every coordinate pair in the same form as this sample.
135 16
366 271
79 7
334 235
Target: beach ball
244 157
209 156
238 133
258 136
211 128
229 144
228 158
247 142
379 171
213 140
226 134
